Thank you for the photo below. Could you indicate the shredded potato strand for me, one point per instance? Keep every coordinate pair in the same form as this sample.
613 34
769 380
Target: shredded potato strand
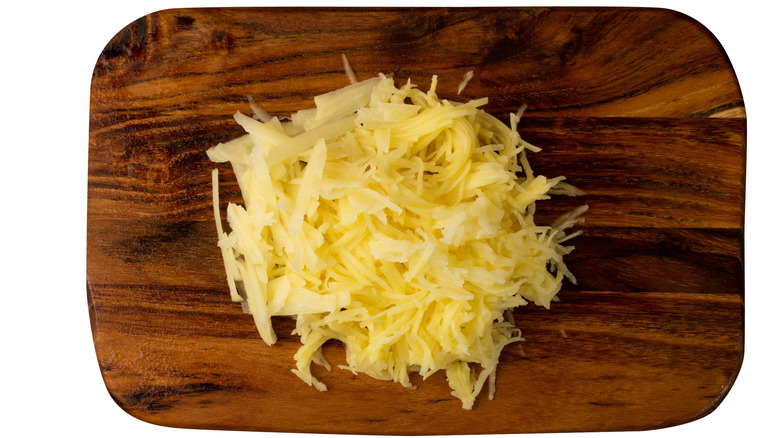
400 225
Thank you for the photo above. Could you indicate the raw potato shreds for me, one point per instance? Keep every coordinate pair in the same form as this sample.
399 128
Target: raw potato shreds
393 222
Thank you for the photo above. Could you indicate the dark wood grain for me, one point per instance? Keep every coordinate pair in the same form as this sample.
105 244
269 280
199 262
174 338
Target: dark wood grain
638 107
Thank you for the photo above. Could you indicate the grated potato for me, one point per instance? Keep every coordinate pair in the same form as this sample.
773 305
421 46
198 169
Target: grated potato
395 222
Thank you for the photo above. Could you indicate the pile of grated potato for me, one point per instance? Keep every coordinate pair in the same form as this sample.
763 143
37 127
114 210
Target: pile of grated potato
396 223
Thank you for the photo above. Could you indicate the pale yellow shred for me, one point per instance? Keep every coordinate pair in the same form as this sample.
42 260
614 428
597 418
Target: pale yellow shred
466 78
397 223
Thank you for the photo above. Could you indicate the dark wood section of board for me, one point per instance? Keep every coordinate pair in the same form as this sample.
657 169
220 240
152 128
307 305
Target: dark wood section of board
640 108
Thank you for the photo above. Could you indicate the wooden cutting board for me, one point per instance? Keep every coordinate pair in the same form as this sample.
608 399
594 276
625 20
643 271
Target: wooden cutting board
640 108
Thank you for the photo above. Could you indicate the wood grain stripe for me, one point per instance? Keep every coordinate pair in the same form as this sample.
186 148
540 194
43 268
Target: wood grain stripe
592 362
537 57
170 254
645 172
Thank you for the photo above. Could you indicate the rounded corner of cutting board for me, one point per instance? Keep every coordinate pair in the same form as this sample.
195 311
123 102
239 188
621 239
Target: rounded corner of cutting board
691 20
130 37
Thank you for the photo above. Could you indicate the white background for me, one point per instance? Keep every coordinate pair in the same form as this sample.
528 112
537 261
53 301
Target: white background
51 382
